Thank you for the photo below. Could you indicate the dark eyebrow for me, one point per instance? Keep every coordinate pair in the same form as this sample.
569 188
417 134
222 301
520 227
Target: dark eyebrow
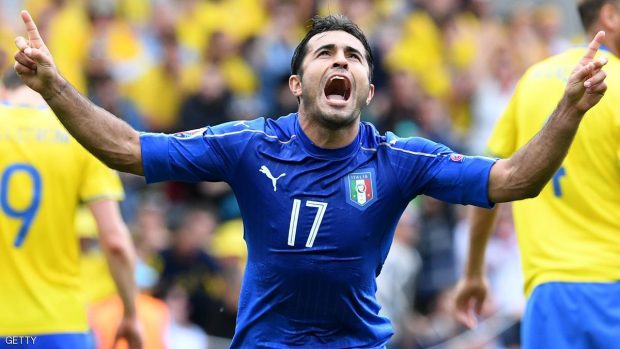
326 47
353 50
330 47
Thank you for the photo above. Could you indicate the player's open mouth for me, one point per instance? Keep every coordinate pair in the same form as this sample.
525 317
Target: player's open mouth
338 88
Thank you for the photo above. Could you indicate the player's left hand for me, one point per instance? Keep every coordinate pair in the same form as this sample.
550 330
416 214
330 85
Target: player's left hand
468 300
131 330
586 84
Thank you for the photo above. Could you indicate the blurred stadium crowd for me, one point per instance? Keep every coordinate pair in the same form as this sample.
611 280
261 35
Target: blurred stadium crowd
445 69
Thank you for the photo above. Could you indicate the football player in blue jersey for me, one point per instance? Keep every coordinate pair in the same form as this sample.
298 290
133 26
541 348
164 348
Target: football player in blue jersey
319 191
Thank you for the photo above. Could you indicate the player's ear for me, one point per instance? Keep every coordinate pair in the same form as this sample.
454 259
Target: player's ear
371 93
294 84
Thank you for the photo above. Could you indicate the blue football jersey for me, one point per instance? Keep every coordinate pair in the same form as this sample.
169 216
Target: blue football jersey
318 223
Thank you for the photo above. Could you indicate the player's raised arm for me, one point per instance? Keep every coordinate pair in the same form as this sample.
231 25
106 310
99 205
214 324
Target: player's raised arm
109 138
528 170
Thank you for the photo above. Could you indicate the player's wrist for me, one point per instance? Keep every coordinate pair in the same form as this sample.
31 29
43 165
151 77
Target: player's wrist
130 315
55 88
475 274
570 109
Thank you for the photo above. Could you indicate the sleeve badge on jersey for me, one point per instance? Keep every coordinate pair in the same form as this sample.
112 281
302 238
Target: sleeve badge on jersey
456 157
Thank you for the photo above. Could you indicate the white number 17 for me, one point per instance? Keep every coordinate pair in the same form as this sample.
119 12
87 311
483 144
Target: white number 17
292 229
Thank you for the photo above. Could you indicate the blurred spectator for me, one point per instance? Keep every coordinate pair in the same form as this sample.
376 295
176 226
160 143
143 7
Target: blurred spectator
229 249
271 51
437 328
436 124
210 105
58 21
403 105
547 21
182 334
158 92
491 95
396 283
525 42
151 236
228 245
436 249
105 93
187 265
419 34
226 54
285 102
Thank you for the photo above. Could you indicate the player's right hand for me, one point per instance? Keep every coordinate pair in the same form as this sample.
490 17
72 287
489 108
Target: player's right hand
130 330
469 298
34 63
586 85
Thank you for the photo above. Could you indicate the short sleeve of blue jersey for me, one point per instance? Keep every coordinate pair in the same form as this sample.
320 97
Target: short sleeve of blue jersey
206 154
432 169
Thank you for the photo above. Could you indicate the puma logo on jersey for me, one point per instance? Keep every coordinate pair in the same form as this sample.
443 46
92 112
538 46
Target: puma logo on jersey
267 173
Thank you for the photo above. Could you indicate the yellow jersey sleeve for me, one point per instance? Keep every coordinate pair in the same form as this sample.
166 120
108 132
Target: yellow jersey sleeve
99 181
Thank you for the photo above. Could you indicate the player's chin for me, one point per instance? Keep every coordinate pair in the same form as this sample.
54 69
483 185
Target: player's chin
338 119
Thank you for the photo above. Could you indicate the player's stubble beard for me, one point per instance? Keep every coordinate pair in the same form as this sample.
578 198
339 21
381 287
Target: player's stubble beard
328 117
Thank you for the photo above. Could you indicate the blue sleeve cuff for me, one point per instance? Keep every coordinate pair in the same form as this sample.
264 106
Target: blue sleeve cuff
478 182
155 157
461 180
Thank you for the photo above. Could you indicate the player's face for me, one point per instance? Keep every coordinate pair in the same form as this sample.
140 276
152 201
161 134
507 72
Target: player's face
334 85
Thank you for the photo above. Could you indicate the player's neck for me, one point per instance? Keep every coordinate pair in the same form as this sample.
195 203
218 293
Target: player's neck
24 96
325 137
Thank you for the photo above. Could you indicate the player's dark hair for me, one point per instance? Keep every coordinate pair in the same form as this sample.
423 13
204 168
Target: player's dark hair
589 10
321 24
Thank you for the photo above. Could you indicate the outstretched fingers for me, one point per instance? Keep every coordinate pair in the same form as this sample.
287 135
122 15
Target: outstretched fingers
32 51
33 33
593 48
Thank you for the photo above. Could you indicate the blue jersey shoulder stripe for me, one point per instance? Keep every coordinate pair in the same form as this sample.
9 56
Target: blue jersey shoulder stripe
253 131
401 149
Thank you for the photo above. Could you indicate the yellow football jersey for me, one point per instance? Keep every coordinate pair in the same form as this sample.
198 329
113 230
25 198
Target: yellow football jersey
97 282
44 174
571 232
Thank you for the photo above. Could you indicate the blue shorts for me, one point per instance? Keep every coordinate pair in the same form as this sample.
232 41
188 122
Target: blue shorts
572 315
49 341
